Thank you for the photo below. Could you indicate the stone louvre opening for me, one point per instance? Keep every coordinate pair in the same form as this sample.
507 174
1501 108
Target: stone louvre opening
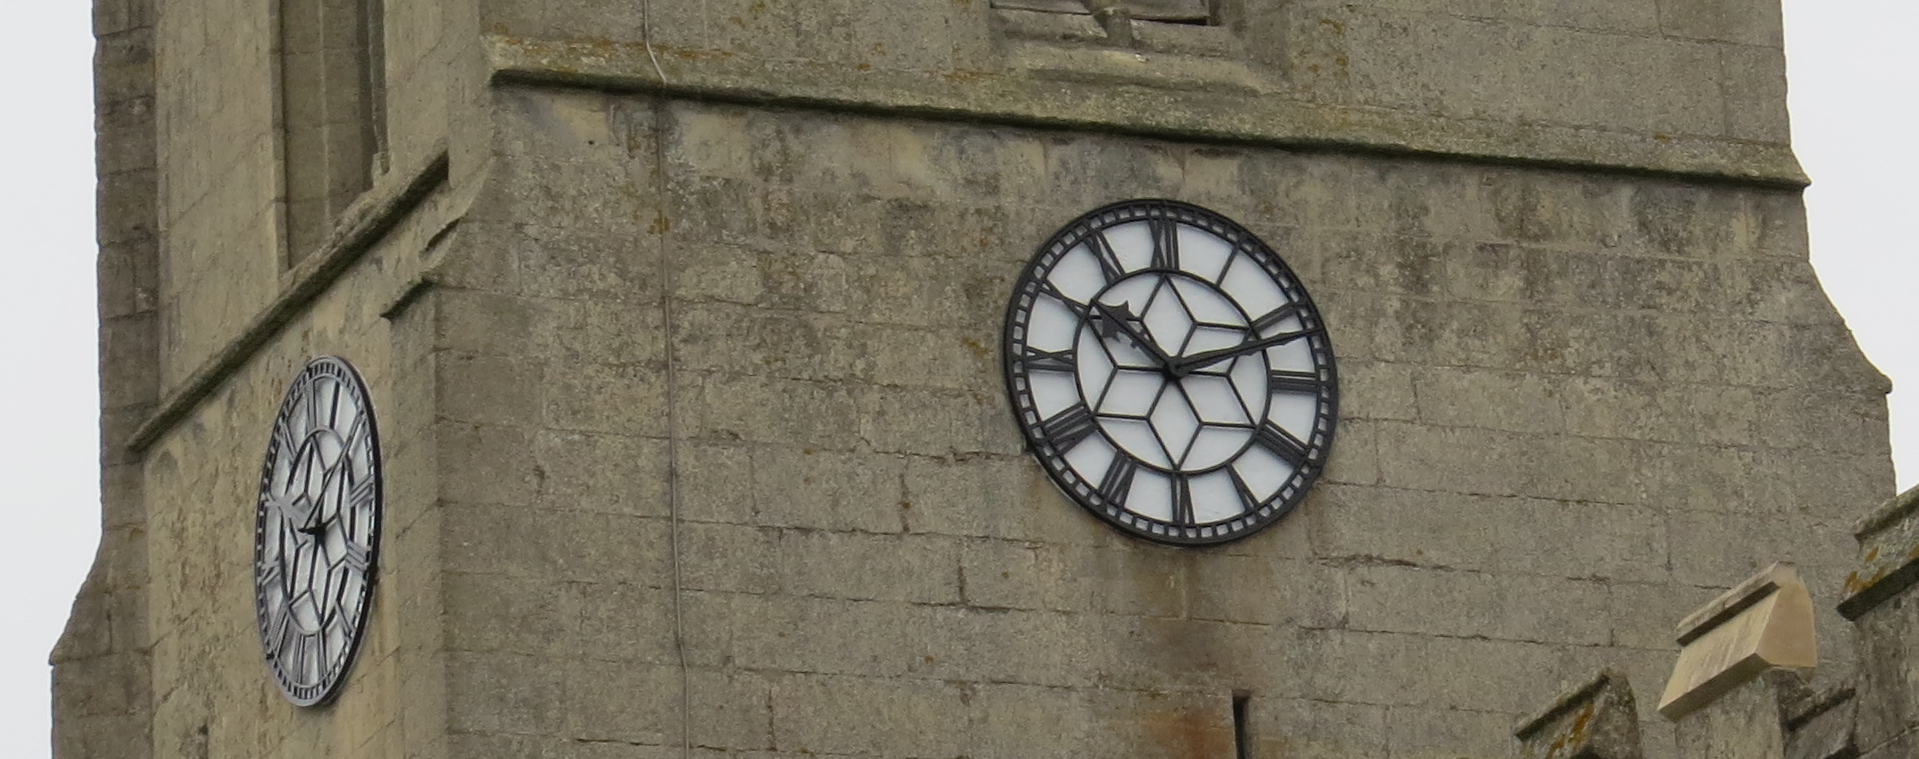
332 112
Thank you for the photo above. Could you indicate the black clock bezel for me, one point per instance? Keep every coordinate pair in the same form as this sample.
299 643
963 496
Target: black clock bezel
339 370
1086 494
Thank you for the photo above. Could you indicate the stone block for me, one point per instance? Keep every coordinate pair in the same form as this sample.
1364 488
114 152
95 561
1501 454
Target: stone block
827 714
1684 221
800 634
715 483
487 464
1470 604
492 390
816 415
611 621
1745 22
969 497
751 341
516 615
624 702
611 474
559 262
1055 650
505 693
827 490
1456 397
1030 722
1132 580
1419 201
612 399
483 323
1164 725
717 272
734 710
948 359
1169 654
563 545
1397 669
915 568
1315 728
614 333
1756 92
1261 590
731 558
946 422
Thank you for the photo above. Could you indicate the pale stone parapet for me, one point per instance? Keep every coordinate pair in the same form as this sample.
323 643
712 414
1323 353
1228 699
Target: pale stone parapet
1763 623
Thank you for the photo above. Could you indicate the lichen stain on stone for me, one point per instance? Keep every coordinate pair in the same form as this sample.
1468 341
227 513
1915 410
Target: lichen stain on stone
1185 733
979 349
965 76
1574 736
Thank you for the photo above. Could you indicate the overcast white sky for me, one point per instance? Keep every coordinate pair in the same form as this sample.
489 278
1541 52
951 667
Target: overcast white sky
1853 66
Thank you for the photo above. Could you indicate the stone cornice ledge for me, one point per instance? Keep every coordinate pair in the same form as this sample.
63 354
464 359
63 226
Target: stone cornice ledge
1191 111
361 227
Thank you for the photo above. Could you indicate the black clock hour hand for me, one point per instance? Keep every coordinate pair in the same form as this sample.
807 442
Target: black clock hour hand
1183 366
1124 320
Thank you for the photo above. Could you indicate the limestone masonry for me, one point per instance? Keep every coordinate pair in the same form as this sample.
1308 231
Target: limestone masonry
682 322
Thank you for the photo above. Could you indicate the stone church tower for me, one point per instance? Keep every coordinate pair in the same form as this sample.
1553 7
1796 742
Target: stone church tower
683 324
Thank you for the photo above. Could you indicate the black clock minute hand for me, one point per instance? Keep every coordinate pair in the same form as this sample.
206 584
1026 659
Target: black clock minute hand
1182 366
1125 325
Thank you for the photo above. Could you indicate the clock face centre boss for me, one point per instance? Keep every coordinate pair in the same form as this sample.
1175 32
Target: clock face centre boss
1170 373
316 530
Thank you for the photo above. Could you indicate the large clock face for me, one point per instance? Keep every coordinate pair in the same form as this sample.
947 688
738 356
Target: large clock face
316 531
1170 373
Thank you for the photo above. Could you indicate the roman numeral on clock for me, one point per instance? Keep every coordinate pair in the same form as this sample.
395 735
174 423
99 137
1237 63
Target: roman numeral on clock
1247 500
1046 287
1118 482
357 558
1282 443
1069 428
1108 260
1287 381
1275 316
1165 243
1183 501
1035 359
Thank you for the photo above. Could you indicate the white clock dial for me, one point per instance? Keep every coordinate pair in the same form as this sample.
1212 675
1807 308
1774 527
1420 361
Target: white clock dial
316 529
1170 373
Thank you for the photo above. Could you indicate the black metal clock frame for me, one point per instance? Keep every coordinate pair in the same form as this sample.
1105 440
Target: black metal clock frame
1308 455
297 411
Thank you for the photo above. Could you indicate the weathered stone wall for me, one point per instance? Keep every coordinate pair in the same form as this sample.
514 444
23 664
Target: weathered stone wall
202 328
694 426
1575 405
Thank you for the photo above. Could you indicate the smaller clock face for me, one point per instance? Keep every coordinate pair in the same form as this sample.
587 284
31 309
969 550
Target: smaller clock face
316 530
1170 373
